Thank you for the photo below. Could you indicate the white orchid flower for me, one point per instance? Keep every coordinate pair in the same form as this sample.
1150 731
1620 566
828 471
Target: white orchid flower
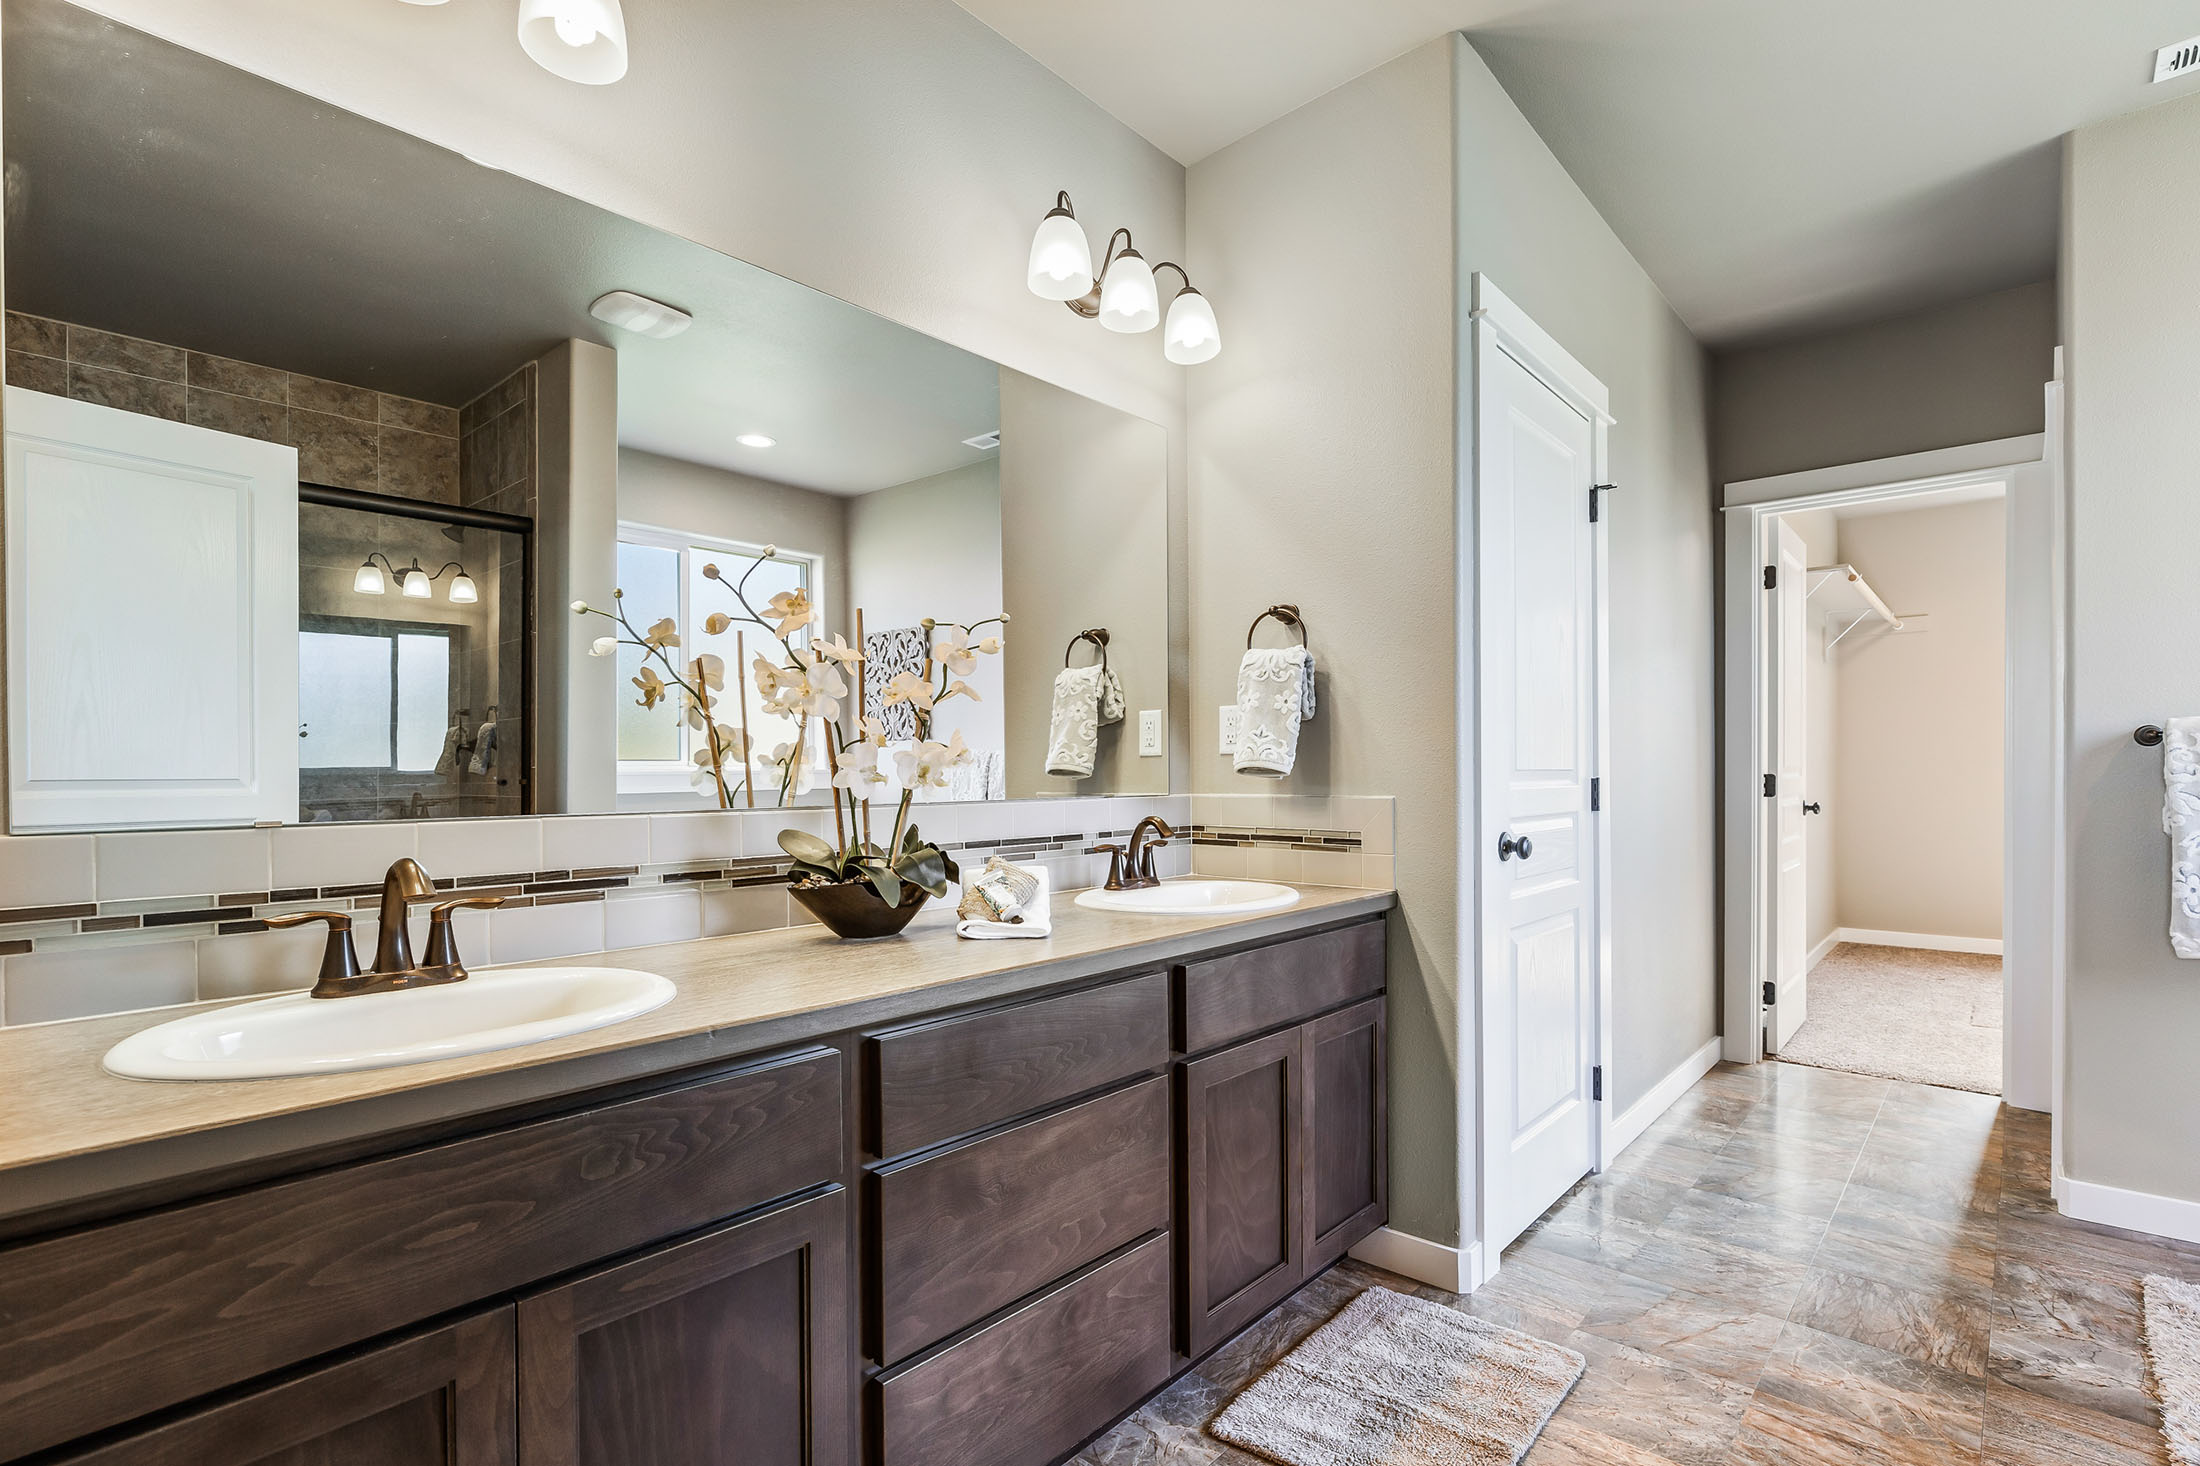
791 609
837 649
951 648
908 687
859 766
603 646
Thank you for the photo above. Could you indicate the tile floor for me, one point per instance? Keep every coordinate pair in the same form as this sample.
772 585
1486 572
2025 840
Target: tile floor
1793 1266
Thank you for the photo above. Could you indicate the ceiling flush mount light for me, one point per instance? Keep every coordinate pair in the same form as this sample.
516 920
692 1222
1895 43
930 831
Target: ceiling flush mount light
756 440
1124 295
580 40
640 314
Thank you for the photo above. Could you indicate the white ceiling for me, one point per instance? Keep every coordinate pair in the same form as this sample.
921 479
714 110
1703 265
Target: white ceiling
156 192
1778 166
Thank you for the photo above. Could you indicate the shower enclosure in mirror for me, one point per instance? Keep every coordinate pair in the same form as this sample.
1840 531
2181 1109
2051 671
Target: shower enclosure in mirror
315 431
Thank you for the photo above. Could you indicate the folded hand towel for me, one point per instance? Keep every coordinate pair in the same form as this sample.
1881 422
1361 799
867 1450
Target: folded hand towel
485 749
1275 695
2181 822
1036 916
1084 698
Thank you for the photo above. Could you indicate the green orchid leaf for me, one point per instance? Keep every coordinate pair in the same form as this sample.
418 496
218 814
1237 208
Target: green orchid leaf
885 882
947 863
926 868
804 846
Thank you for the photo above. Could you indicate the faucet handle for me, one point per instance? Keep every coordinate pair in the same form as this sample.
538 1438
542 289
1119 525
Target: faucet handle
442 945
1115 866
339 959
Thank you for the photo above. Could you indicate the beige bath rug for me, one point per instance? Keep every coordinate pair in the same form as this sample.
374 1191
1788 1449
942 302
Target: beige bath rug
2172 1310
1399 1381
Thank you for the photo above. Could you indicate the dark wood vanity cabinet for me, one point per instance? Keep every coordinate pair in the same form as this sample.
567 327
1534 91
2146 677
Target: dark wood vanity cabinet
980 1236
728 1345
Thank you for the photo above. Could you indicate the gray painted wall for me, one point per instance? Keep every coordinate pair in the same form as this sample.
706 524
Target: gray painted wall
2132 360
1963 373
1324 471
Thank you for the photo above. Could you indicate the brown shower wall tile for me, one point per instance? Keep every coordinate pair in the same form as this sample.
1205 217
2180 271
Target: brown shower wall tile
316 394
418 465
239 378
332 450
146 396
38 373
249 417
131 354
418 417
37 335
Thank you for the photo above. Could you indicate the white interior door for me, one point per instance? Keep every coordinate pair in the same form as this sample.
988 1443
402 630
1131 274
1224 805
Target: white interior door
1537 647
152 609
1790 732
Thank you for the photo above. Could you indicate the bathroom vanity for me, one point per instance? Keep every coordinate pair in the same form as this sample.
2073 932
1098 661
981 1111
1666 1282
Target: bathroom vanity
905 1205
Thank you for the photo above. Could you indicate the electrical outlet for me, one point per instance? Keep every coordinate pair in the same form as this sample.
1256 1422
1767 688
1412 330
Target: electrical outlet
1229 728
1149 733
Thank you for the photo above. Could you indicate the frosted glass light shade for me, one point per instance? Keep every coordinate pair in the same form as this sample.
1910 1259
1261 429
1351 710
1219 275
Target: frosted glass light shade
1061 259
417 585
367 579
1191 336
1129 300
580 40
463 591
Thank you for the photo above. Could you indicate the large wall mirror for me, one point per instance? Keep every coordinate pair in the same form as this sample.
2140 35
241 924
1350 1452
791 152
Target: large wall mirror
313 437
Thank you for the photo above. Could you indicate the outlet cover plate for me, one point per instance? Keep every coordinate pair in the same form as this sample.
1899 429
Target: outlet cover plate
1149 733
1229 729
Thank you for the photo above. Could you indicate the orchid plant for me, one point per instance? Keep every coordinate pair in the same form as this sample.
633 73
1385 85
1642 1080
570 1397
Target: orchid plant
807 682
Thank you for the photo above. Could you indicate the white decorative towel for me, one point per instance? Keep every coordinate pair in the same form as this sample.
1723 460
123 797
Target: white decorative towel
1037 914
1275 695
2181 822
1084 698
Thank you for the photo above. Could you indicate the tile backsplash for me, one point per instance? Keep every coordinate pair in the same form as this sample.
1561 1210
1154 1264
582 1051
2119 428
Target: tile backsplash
116 922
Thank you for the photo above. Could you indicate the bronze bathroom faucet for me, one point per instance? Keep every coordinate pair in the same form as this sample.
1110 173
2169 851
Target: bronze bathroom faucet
404 884
1132 869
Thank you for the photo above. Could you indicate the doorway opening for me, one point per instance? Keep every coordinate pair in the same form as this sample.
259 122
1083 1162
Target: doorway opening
1894 747
1887 786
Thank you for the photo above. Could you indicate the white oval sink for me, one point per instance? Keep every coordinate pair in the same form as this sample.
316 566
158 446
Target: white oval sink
1193 897
295 1034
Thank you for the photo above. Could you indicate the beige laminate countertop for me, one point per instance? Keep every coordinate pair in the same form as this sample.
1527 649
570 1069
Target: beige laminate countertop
70 1132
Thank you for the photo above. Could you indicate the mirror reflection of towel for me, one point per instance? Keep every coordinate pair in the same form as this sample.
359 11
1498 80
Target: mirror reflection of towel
1084 698
485 749
447 765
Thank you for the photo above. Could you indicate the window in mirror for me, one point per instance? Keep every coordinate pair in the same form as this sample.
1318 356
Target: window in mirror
661 574
374 698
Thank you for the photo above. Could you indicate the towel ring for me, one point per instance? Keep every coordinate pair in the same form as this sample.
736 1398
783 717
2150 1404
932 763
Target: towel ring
1098 636
2146 735
1288 615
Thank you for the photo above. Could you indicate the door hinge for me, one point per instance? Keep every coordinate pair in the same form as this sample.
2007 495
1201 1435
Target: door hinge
1596 795
1596 1082
1772 577
1594 490
1772 786
1772 995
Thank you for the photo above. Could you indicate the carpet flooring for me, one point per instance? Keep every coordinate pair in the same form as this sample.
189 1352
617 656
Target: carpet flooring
1901 1013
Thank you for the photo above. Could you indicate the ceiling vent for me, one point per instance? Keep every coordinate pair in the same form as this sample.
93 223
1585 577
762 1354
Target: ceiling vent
984 442
2176 60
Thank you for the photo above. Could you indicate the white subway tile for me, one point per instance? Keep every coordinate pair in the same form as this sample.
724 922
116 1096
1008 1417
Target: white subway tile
641 921
1226 861
1329 867
1378 872
584 842
733 909
46 870
450 848
253 963
674 838
531 933
340 855
42 987
1266 863
184 863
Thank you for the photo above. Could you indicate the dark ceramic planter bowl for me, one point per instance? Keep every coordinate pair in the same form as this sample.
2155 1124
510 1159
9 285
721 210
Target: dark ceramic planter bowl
854 911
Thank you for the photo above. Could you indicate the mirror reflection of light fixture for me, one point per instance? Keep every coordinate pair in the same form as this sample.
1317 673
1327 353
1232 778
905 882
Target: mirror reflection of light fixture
1124 295
412 580
580 40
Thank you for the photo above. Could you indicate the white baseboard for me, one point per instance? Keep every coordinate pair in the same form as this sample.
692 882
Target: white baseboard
1923 941
1818 953
1640 1115
2134 1211
1454 1269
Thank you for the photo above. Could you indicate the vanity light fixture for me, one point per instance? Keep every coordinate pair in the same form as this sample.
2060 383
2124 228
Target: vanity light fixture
640 314
756 440
412 580
1124 296
580 40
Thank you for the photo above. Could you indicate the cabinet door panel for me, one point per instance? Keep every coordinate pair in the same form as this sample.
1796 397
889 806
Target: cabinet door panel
1347 1168
732 1345
1244 1127
442 1398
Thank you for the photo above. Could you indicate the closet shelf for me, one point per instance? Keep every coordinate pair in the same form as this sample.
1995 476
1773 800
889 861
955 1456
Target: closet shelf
1840 588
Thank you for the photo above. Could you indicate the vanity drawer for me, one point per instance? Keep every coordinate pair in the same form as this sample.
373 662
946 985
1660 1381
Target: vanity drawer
976 1227
1027 1387
108 1323
1234 997
943 1079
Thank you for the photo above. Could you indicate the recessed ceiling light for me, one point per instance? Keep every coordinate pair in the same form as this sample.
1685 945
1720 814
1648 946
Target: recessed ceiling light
640 314
756 440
